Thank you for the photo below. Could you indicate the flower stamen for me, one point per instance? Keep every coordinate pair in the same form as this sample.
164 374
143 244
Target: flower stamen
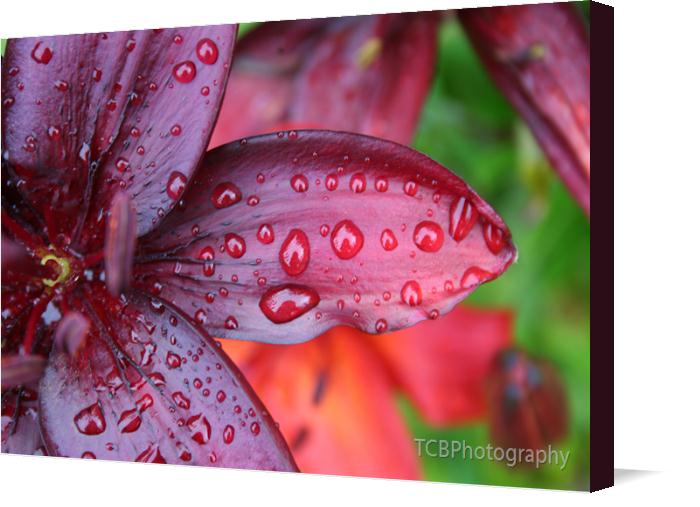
61 266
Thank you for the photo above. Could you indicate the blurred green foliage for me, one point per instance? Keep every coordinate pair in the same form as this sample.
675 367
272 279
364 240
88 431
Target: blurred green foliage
469 127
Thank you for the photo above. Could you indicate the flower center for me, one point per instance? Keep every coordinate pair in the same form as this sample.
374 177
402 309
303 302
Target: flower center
62 267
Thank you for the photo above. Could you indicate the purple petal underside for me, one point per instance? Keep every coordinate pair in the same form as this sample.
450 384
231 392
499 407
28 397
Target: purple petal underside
284 236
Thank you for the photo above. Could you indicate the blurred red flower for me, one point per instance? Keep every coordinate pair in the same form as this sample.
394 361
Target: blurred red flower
334 397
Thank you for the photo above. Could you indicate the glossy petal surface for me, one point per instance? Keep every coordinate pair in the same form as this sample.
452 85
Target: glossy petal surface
365 74
150 386
443 366
391 238
538 56
85 114
336 402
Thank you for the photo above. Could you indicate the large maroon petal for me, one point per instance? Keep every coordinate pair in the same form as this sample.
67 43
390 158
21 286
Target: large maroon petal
538 56
85 114
366 74
149 385
284 236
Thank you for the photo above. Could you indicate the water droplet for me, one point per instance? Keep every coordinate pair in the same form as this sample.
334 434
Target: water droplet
225 194
200 316
474 276
235 245
494 238
184 72
388 240
380 326
462 218
176 185
346 239
90 420
207 255
61 85
151 455
428 236
229 433
295 252
410 188
255 428
181 400
332 182
231 323
299 183
176 130
122 164
130 45
204 91
381 184
411 293
42 53
260 178
200 428
434 314
265 234
324 230
288 302
129 421
173 360
358 183
207 51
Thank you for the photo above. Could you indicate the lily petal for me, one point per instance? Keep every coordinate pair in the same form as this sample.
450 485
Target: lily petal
282 237
336 401
365 74
149 385
443 366
538 56
21 433
85 115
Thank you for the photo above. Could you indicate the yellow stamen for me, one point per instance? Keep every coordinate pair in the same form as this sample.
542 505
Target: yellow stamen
369 52
63 265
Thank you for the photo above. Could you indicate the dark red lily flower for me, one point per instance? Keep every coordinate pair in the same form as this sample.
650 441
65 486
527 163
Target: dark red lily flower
365 74
527 402
275 238
335 396
538 56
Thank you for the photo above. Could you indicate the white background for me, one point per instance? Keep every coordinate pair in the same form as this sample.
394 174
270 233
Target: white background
657 355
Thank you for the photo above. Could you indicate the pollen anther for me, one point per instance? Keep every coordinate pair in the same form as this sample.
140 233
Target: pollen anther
64 269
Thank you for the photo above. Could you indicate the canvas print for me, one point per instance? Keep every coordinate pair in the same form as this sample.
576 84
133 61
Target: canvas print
355 246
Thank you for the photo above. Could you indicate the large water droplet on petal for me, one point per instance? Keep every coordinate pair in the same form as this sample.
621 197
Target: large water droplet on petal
494 238
346 239
411 293
235 245
184 72
90 420
200 428
295 252
207 51
428 236
462 218
42 53
288 302
176 185
225 194
388 240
